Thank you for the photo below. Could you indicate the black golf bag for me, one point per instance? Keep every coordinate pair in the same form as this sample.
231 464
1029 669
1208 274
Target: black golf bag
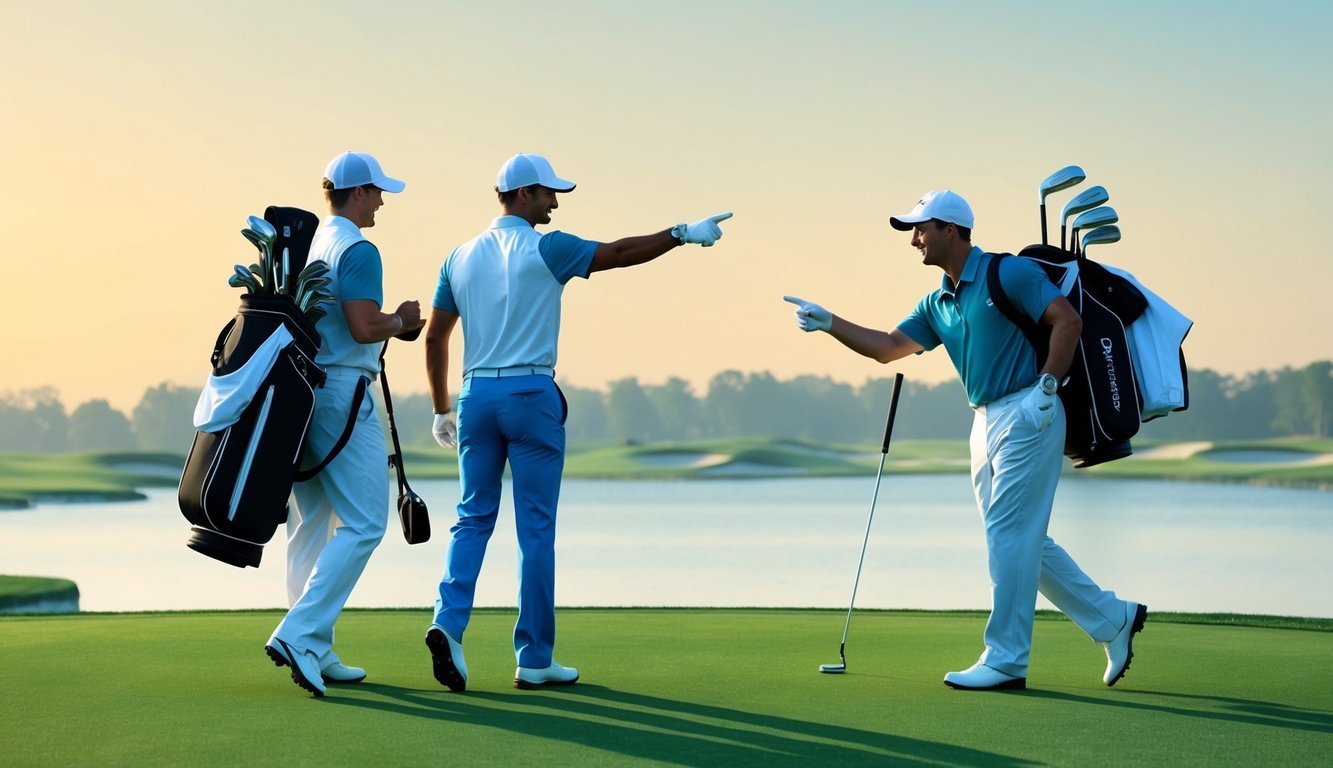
1100 395
238 477
237 480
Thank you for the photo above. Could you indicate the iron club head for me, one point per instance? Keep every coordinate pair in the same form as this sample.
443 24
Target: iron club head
1085 200
1089 220
1062 179
1100 235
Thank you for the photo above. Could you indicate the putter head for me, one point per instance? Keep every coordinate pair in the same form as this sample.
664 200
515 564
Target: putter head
833 669
413 515
1062 179
1100 235
1086 200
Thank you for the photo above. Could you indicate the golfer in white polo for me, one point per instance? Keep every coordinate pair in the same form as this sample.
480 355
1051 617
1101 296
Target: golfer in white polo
1018 434
340 514
505 284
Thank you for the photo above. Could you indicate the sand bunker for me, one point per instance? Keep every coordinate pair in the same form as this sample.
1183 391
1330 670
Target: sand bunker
681 459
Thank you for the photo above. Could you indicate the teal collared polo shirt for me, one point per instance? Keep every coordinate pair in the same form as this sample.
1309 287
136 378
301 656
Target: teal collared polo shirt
991 355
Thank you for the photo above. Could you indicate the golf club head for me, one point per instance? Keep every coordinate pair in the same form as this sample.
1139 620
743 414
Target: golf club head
1100 235
1097 217
413 515
1088 220
1086 200
1062 179
265 229
833 669
256 239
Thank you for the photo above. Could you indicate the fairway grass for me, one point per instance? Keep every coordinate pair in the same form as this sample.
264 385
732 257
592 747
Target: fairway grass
725 687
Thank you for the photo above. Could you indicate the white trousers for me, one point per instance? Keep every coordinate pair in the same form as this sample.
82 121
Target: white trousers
1015 470
338 519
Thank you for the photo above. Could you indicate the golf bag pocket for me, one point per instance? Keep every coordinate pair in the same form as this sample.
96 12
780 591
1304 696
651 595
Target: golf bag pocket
253 421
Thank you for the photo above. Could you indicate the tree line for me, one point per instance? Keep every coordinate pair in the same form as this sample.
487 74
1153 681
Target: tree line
1263 404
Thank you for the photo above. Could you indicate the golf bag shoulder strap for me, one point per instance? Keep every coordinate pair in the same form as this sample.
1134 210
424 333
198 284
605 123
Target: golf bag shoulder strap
303 475
1006 306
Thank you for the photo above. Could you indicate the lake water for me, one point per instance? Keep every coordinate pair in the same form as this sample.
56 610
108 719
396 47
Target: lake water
780 542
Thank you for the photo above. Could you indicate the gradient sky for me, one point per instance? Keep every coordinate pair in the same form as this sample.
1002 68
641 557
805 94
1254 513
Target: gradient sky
139 135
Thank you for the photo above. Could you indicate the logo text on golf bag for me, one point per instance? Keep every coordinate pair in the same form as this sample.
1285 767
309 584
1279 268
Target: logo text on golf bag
1107 347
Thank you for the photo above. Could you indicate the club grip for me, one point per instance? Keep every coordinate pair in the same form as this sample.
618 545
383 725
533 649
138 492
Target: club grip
893 411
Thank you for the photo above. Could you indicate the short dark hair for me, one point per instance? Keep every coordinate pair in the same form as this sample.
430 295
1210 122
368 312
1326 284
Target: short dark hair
964 233
508 197
337 198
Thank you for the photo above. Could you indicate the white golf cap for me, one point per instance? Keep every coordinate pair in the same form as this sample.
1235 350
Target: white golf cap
353 169
524 170
942 204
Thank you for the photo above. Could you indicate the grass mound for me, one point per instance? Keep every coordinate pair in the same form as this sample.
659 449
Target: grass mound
660 687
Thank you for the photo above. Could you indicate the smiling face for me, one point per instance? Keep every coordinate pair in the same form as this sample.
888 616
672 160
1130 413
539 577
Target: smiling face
535 204
935 241
362 204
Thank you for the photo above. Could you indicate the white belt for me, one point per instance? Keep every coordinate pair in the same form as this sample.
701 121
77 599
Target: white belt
513 370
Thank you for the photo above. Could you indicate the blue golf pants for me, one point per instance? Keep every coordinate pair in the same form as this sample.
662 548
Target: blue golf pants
519 420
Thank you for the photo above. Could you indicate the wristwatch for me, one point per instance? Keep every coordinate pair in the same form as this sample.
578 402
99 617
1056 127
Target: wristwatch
1048 383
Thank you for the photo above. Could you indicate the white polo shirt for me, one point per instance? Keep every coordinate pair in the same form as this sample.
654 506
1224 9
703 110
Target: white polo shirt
505 285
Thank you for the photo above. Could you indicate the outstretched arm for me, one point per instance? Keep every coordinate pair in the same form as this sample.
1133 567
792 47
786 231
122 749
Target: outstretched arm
632 251
881 346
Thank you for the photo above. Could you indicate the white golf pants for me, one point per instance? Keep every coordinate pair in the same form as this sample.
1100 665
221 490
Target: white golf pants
338 519
1015 470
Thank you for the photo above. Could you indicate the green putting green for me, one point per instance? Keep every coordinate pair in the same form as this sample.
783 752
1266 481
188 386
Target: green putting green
659 687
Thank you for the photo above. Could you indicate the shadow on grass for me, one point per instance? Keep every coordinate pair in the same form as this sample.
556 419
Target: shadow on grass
1228 708
668 730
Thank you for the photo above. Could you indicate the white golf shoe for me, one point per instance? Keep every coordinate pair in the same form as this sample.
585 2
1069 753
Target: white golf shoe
338 672
446 656
530 679
1120 649
980 677
305 667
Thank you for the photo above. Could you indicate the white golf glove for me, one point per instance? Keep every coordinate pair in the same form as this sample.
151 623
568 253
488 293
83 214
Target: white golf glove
1039 407
445 429
703 232
810 316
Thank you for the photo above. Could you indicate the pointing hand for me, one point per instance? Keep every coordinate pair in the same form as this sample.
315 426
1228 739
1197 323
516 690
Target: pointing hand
810 316
704 232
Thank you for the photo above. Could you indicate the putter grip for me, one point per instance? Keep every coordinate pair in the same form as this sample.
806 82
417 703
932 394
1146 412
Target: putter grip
893 410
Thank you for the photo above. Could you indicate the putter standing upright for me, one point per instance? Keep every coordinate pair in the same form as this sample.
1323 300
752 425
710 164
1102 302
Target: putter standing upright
841 666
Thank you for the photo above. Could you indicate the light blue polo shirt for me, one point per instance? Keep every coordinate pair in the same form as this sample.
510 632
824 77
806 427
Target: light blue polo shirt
992 356
505 284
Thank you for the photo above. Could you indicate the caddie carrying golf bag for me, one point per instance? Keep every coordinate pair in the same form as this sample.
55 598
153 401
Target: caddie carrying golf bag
255 412
1101 393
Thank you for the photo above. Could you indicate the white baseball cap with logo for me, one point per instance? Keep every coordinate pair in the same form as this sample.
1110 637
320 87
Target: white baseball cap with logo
943 204
354 169
523 170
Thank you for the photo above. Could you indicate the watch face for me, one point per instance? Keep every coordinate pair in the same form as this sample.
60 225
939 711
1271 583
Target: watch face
1049 384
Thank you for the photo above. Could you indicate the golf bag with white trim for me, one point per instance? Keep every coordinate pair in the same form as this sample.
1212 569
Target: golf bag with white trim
255 412
1100 392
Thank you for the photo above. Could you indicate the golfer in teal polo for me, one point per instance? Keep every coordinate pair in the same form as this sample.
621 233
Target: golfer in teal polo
505 286
1018 434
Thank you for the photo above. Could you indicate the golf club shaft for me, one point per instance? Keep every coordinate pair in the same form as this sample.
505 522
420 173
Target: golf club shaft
883 454
397 457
